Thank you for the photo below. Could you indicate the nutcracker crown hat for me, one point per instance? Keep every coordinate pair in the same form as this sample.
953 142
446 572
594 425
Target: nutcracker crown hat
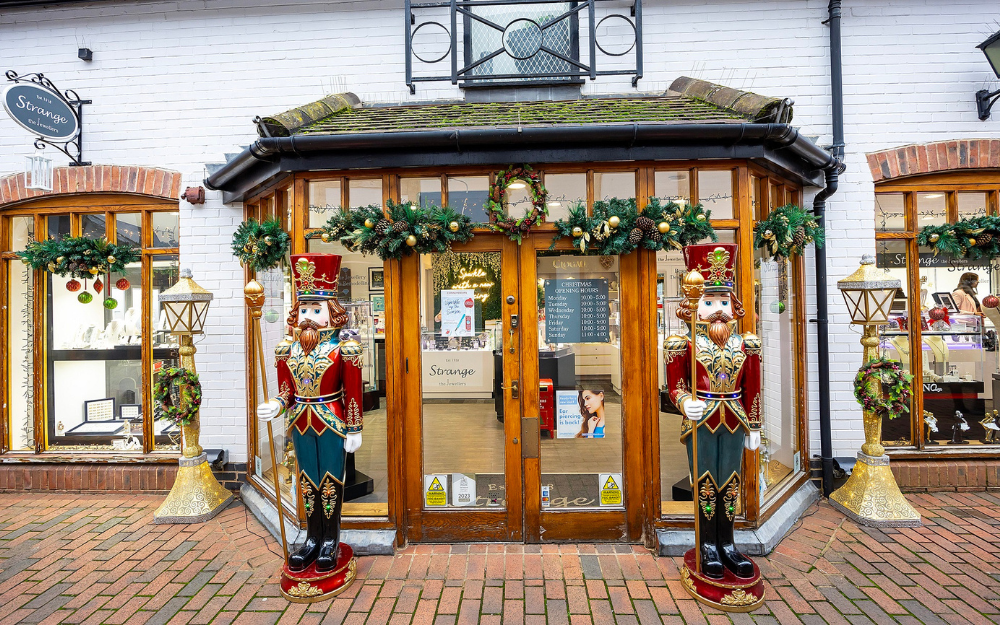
315 276
716 262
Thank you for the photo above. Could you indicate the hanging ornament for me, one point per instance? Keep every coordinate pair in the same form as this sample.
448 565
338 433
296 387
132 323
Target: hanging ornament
934 238
98 285
369 223
700 217
110 303
991 301
85 297
614 221
453 226
111 260
411 240
94 271
60 259
52 267
122 284
663 227
325 237
777 307
268 240
73 286
972 242
577 231
271 316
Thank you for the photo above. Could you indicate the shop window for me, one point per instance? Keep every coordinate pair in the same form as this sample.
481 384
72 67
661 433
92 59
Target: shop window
420 191
467 195
932 209
564 190
972 204
673 186
166 229
615 184
364 193
58 226
20 338
715 192
165 269
584 373
324 200
128 229
92 226
892 255
776 197
890 212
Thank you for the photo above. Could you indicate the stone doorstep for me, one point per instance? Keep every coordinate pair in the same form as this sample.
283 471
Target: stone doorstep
364 542
759 542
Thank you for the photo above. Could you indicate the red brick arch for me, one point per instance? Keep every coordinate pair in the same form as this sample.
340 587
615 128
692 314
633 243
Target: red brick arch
930 158
149 181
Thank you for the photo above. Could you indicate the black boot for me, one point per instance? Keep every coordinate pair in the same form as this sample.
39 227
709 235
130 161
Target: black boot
331 501
739 564
306 554
711 564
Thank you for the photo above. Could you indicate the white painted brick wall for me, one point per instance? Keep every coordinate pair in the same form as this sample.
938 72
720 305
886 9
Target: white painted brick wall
175 84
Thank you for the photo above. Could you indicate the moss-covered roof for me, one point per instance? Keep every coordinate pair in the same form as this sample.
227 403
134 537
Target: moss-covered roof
666 109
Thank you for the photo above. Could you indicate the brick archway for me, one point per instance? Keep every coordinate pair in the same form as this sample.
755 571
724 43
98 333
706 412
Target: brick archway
930 158
148 181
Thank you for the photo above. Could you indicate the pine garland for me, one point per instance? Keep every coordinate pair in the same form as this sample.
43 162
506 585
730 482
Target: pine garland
786 232
975 238
79 257
398 231
617 227
500 221
889 399
260 246
190 394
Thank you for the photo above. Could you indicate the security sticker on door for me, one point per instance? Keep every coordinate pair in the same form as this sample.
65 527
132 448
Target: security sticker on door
611 489
463 490
436 490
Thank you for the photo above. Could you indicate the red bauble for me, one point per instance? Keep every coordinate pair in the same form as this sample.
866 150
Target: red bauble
991 301
73 285
937 314
122 284
98 285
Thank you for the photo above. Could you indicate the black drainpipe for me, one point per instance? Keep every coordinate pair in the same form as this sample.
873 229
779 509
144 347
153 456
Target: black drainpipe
819 207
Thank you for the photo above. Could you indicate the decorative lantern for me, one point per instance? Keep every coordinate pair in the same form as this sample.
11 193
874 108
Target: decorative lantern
186 306
38 170
868 293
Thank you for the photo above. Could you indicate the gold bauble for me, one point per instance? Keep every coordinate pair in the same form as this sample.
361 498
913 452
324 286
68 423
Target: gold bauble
267 240
369 223
613 221
935 237
111 260
971 242
663 227
453 226
325 237
25 261
60 259
52 266
94 271
411 240
577 231
700 217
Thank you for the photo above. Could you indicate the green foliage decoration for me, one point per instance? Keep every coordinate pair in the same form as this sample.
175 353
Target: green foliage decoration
189 388
260 246
786 231
883 388
79 257
398 231
500 221
618 227
975 238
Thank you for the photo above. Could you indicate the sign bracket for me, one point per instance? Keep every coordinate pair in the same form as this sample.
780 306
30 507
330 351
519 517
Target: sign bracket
73 147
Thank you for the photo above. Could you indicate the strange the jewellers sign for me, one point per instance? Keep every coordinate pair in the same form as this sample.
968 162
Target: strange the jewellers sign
41 112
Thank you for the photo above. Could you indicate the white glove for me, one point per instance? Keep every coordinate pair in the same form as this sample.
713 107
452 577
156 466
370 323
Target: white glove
353 442
269 410
752 441
694 409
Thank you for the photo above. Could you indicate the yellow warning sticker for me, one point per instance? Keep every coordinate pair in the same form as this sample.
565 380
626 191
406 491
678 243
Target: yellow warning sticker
435 492
611 492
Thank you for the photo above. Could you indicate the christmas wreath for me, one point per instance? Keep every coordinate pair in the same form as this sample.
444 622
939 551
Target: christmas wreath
976 238
260 246
189 394
499 219
86 258
617 226
890 398
398 231
786 232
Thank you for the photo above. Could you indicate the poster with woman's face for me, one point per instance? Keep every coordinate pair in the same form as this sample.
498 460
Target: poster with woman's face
580 414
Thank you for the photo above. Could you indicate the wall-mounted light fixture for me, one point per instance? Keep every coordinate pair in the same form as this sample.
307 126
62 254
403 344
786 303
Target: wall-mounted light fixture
85 54
986 99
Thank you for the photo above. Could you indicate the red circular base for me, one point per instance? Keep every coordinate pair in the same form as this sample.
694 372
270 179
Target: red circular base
310 586
731 593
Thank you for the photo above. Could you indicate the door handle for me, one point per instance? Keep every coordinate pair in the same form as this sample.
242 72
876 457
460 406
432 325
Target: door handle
515 390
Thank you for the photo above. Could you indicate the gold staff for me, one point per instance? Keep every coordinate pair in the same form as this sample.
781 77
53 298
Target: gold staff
693 287
253 294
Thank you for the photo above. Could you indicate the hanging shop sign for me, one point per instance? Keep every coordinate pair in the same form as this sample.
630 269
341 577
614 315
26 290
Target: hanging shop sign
40 111
577 311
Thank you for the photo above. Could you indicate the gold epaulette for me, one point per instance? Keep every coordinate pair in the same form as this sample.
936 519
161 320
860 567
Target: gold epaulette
751 342
351 347
675 343
283 349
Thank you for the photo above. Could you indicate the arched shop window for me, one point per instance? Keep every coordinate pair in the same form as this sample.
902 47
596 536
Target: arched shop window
938 327
77 377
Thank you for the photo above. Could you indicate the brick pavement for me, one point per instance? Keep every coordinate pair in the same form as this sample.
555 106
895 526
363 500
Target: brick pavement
68 558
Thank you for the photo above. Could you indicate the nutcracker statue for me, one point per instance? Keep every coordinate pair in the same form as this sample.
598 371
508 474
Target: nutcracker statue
319 392
722 417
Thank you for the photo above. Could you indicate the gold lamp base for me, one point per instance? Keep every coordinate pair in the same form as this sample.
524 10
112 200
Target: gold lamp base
196 495
871 497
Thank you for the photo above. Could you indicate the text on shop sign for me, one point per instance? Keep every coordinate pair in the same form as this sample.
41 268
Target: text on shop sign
576 311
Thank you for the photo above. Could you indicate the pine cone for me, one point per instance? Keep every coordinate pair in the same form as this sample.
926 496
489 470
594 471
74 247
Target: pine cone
400 227
799 238
984 239
655 236
645 223
382 226
635 236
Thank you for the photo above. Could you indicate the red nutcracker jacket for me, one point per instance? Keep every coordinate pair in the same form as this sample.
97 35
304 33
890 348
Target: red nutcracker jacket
321 390
728 379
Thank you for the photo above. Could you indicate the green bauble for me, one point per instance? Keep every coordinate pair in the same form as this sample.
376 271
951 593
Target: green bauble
271 316
85 297
110 303
777 307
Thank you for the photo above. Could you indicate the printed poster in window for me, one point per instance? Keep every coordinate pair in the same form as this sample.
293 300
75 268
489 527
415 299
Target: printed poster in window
580 414
458 312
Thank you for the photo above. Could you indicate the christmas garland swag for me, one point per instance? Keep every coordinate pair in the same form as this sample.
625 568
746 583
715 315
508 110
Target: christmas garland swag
260 246
83 257
974 238
786 232
190 394
499 219
893 395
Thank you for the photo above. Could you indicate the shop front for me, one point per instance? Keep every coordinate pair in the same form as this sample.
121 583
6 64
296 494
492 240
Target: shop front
516 391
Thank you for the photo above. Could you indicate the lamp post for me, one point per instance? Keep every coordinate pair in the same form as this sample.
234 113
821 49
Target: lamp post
871 496
986 99
196 495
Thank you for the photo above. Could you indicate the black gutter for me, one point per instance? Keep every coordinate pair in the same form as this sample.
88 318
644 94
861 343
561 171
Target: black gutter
271 155
819 208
